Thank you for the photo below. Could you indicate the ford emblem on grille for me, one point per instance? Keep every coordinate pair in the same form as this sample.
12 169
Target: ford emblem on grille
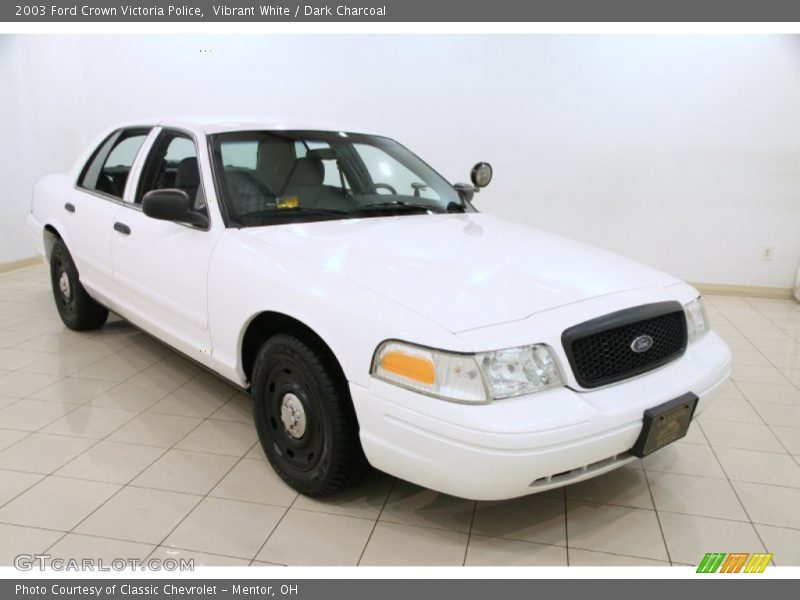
643 343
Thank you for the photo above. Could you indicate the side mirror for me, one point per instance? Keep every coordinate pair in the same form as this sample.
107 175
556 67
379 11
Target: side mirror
481 175
172 205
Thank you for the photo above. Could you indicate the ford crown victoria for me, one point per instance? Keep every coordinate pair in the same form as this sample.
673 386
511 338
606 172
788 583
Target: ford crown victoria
374 314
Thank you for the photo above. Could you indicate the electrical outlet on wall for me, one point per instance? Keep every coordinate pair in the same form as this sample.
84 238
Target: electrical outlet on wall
767 253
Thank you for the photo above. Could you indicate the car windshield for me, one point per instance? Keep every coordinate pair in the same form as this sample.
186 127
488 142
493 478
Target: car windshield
275 177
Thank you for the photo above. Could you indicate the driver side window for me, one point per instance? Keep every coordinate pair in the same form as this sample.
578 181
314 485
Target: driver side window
172 164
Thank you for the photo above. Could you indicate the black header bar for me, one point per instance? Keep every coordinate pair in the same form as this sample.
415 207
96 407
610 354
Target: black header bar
546 11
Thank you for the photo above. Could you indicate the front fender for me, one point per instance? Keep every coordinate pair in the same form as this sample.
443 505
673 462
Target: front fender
248 277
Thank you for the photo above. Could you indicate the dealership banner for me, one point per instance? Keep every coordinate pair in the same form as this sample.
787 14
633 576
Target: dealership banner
401 11
397 589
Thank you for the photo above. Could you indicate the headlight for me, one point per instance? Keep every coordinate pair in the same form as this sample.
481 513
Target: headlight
517 371
696 318
467 378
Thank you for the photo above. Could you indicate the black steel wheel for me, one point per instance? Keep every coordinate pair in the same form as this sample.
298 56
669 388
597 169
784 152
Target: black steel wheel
305 417
77 309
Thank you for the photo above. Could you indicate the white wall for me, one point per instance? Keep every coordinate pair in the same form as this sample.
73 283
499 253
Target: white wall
680 151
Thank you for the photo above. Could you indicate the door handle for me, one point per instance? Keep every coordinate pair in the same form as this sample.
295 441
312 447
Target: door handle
122 228
69 207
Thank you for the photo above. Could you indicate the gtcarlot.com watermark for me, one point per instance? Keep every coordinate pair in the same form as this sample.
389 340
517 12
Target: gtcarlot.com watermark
31 562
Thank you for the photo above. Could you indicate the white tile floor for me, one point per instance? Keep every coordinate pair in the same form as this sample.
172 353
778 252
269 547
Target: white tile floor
111 445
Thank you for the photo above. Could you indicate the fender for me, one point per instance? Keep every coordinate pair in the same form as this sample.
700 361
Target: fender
248 278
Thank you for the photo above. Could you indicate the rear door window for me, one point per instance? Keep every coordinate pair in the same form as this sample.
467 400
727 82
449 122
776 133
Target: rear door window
108 169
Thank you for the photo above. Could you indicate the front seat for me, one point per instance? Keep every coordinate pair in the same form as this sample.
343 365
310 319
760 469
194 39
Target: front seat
276 157
187 178
305 180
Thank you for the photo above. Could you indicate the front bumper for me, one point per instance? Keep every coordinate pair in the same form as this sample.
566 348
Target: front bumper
523 445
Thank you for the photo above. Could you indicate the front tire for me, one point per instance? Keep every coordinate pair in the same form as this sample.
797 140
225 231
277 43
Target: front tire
77 309
305 417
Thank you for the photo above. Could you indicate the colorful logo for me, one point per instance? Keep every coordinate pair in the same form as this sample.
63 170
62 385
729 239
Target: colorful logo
735 562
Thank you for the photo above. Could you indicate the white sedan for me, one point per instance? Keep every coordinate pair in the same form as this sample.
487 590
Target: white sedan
375 316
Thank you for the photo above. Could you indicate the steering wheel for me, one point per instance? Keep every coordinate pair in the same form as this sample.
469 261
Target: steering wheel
385 186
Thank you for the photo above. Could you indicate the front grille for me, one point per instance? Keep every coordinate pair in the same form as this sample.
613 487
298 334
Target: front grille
599 351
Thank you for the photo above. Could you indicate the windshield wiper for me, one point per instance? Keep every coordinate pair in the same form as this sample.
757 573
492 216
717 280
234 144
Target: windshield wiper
293 211
312 211
398 206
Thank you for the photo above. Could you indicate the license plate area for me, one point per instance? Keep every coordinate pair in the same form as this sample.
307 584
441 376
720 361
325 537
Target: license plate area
664 424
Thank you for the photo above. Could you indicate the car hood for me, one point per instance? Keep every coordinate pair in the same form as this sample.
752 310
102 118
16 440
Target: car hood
462 271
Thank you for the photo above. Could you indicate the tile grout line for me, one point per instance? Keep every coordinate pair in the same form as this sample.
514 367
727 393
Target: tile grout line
64 377
658 516
204 496
111 538
114 539
713 448
779 328
88 336
271 533
50 473
566 522
735 492
747 399
767 425
377 520
469 533
72 409
10 500
123 486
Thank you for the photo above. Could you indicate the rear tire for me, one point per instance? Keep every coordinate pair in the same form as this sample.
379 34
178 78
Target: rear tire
76 308
305 417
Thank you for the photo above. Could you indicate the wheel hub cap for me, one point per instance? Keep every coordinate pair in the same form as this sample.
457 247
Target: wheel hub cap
293 416
63 285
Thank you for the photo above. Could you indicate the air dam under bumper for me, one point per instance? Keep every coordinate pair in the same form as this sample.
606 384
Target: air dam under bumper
524 445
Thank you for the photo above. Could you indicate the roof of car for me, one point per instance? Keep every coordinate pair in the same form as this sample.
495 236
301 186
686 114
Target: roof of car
209 124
